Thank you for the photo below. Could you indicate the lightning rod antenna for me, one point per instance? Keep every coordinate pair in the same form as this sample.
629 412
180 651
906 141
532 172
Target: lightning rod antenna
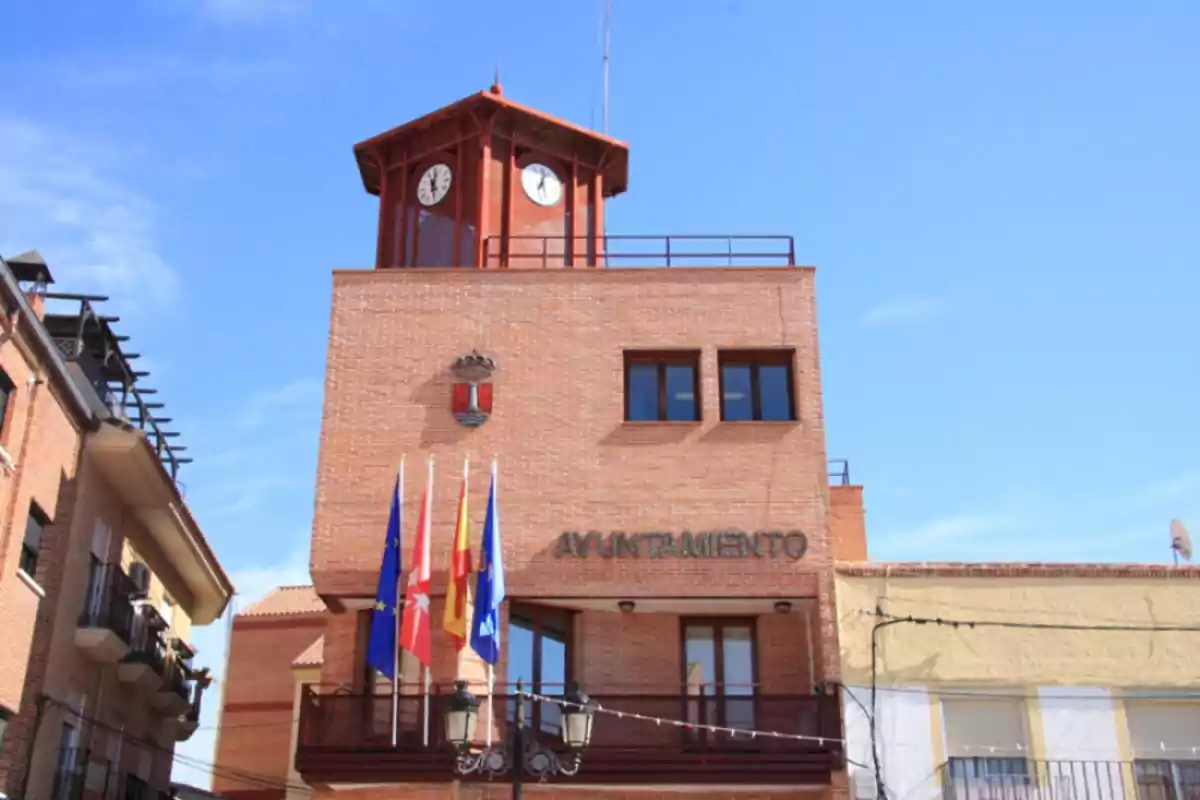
607 41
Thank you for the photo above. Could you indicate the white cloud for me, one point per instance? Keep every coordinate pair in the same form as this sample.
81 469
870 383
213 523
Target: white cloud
901 311
212 643
142 71
298 399
96 233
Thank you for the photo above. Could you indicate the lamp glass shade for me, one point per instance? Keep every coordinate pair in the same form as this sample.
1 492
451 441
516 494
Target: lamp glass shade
461 713
460 725
577 727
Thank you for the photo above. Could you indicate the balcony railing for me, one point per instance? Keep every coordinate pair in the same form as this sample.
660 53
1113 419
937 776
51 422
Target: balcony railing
108 603
147 645
1008 778
639 251
347 738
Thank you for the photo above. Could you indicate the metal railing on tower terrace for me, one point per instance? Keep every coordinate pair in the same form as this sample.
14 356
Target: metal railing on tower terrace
618 250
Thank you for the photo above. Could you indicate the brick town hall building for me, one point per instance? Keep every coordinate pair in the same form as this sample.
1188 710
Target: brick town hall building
668 525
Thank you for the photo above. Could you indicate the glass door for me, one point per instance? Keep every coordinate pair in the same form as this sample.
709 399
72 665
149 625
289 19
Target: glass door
720 667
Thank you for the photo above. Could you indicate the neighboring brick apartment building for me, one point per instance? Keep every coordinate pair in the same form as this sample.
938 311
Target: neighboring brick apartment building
634 410
274 649
103 569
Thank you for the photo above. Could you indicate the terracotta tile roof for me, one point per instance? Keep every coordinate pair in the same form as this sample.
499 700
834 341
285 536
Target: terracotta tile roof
1000 569
313 655
286 601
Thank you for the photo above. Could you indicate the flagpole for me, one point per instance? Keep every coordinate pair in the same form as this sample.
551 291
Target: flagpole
491 670
429 510
396 618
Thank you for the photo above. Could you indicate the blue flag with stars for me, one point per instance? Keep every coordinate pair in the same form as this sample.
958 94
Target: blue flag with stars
383 646
489 586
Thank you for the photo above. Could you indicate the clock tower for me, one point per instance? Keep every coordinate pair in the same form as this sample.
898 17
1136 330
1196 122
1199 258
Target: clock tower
489 183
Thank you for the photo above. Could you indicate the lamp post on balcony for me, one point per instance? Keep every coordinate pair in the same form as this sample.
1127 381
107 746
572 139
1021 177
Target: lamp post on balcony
524 755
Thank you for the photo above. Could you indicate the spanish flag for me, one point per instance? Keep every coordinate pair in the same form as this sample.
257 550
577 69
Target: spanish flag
458 593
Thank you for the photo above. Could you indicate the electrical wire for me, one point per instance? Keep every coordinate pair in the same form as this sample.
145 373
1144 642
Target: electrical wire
885 620
233 774
1046 626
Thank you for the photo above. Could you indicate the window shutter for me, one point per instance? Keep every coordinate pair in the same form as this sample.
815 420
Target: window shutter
984 728
1157 725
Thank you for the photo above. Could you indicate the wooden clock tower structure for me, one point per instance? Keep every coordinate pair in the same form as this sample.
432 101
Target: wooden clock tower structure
486 182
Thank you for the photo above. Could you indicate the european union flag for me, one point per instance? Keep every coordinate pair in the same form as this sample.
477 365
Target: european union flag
383 647
489 586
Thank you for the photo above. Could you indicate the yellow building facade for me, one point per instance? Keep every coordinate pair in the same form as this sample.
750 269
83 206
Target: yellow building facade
1021 681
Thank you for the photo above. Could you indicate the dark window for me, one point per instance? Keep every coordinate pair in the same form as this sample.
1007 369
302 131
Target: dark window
720 664
539 655
662 386
757 385
31 547
6 393
1167 780
5 716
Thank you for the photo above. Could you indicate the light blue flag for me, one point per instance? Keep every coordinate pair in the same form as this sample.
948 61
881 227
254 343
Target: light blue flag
489 586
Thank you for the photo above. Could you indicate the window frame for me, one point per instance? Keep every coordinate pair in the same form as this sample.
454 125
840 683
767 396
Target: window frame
756 359
28 553
718 624
8 390
6 718
541 621
661 359
558 623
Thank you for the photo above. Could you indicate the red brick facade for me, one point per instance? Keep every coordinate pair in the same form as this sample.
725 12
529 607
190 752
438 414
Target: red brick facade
572 469
68 622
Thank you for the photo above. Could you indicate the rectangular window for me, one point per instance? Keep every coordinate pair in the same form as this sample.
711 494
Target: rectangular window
6 393
992 725
539 655
720 662
662 386
5 716
1163 775
757 385
31 547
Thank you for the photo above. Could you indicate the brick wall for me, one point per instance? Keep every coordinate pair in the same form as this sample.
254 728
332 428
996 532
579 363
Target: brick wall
43 440
847 523
568 461
257 710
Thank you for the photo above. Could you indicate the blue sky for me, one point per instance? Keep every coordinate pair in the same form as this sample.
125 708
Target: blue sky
1002 202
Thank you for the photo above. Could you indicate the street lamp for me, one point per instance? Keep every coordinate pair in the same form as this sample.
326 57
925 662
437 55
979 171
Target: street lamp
525 755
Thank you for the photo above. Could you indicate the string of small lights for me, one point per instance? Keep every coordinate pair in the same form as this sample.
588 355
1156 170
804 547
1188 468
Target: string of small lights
748 733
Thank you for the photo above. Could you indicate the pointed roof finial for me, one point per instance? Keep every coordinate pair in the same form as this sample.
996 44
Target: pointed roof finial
496 87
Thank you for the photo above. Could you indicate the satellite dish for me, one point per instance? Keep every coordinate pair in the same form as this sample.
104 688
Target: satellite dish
1181 542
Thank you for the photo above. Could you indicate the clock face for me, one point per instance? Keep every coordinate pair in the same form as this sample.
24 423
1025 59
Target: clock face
434 184
541 185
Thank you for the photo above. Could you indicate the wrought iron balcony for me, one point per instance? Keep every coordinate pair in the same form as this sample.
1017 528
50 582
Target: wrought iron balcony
1008 778
106 624
347 738
146 662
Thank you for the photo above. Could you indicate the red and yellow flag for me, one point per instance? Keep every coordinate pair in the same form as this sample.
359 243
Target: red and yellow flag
458 592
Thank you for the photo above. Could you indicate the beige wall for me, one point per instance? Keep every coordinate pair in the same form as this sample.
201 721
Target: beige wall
932 654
